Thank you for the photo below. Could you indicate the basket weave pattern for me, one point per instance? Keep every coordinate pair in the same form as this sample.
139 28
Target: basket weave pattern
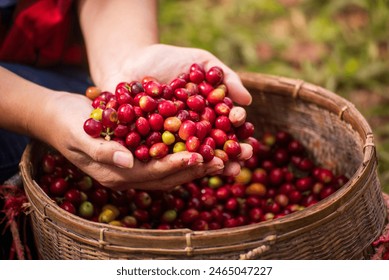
341 226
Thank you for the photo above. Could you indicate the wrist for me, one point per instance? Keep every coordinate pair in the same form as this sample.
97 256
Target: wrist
115 31
40 120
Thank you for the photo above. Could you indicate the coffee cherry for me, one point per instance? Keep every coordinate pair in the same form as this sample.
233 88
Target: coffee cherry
108 215
304 184
86 210
93 127
205 88
187 129
192 144
177 83
120 131
219 136
133 140
209 115
153 137
222 109
207 152
142 153
182 94
142 126
155 122
327 191
216 96
158 150
256 189
276 176
325 175
223 123
166 108
168 138
135 87
244 176
126 113
245 131
142 216
172 124
74 196
232 149
231 204
196 76
129 221
68 206
109 118
256 214
214 75
99 196
142 200
153 89
196 103
147 104
48 163
189 215
179 147
92 92
59 187
169 216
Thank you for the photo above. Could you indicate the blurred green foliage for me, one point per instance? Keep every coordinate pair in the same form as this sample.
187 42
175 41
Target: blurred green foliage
342 45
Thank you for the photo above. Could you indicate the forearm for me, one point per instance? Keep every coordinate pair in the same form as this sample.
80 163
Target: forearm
116 29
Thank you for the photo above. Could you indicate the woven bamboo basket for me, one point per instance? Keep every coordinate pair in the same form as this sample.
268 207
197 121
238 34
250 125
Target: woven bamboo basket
342 226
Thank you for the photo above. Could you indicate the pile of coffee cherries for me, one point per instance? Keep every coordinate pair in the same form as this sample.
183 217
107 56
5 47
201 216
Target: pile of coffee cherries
277 180
153 119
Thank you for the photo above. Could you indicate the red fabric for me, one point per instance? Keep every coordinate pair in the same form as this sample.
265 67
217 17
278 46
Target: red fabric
42 34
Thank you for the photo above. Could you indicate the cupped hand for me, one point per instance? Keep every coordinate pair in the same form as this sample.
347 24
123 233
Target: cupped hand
112 164
166 62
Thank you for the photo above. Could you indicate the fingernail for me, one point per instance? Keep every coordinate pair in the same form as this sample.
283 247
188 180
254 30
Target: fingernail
123 159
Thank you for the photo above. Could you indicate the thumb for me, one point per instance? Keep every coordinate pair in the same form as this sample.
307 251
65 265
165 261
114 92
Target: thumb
236 90
110 152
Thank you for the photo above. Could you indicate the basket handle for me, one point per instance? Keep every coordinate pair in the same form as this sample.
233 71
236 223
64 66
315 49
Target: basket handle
369 144
252 254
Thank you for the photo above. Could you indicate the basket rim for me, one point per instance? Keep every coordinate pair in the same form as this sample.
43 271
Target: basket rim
178 238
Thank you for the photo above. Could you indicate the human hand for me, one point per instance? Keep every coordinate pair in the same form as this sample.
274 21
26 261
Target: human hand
165 62
110 163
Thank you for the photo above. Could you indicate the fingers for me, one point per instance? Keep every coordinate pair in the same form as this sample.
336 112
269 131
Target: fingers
236 90
172 165
109 152
232 168
247 151
123 159
180 176
165 173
